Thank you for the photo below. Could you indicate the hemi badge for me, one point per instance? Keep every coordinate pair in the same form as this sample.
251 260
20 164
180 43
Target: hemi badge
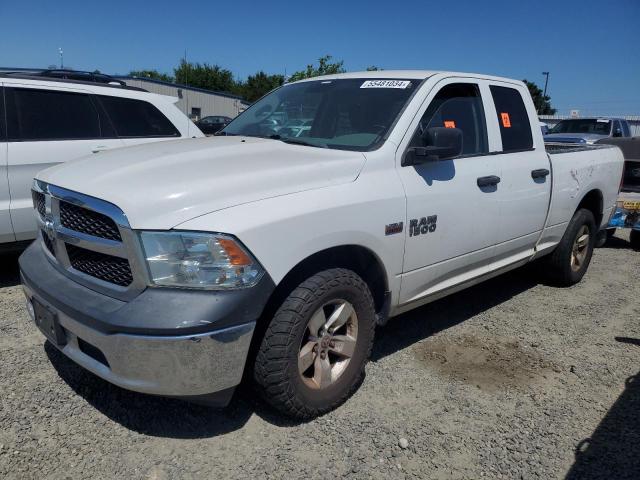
393 228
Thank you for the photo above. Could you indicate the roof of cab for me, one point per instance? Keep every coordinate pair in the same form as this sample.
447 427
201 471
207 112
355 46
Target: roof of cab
408 75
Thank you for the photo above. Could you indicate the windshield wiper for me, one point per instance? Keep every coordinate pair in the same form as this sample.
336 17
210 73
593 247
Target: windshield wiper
295 141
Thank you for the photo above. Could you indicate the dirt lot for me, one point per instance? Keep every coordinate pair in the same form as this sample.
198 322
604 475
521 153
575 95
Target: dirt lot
510 379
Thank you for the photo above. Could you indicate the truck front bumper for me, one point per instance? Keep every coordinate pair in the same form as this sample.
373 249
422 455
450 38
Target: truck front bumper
199 358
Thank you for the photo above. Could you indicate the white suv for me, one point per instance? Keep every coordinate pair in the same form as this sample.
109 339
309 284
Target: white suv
44 121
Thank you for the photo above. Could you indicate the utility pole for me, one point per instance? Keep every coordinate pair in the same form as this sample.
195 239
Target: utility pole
546 82
61 59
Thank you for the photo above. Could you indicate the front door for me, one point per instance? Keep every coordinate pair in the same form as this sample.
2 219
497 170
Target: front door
452 208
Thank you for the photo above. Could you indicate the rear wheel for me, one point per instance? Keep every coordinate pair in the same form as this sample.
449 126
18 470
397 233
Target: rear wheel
313 353
569 261
634 238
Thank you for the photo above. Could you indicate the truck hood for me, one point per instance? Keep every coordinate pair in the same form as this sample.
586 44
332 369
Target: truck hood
161 185
573 137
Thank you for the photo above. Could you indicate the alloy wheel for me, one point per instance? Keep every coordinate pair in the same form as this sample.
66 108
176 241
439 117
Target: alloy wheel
328 344
580 248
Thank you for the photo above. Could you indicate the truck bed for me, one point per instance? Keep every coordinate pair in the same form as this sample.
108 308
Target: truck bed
577 169
557 147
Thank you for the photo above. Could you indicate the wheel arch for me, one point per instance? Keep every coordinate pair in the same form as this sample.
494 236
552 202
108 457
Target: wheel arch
594 202
358 258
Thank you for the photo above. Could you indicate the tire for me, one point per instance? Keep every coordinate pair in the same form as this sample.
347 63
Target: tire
601 239
563 268
280 370
634 238
604 236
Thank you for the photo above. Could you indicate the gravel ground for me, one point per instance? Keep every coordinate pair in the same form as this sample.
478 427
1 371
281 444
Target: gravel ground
510 379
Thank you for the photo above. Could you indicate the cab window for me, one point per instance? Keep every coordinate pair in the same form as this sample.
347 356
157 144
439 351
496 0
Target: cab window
457 105
513 120
626 131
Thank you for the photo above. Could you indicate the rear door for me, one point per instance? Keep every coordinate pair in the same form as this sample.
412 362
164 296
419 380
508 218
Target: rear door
6 229
525 187
450 234
46 126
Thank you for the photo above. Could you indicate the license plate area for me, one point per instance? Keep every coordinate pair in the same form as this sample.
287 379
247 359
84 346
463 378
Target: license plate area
47 321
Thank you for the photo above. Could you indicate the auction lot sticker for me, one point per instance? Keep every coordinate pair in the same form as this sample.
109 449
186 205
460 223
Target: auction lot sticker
386 84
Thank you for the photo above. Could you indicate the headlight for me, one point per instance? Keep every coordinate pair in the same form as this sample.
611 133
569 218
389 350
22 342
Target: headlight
198 260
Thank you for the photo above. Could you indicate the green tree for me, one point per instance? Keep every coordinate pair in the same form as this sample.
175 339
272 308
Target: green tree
541 102
258 85
325 67
209 77
156 75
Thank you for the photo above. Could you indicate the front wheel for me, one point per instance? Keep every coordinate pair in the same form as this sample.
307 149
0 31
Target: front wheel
313 353
569 261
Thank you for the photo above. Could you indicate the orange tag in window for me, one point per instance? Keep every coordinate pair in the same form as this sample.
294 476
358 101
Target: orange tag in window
506 121
449 124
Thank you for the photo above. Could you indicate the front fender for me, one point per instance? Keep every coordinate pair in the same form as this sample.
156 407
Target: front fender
282 231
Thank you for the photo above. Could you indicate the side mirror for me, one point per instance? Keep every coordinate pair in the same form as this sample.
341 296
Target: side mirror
439 144
617 132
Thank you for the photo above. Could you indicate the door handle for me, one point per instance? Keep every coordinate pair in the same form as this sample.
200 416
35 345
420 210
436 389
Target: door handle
540 173
488 181
99 148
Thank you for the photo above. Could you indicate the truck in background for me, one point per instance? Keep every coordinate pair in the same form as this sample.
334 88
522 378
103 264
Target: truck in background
627 213
588 130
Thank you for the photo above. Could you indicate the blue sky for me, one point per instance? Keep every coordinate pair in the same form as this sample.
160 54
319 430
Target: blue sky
591 48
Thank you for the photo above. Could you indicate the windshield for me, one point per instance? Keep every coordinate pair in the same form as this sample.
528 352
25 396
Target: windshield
583 125
346 114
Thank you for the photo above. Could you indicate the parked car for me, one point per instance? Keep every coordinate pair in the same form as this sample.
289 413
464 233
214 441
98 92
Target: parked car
587 130
212 124
544 128
627 213
171 269
52 120
296 128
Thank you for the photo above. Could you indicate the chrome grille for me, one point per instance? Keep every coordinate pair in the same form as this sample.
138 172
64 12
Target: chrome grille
89 240
104 267
48 242
87 221
38 202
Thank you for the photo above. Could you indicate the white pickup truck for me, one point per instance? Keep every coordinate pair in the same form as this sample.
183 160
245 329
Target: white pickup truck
174 268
